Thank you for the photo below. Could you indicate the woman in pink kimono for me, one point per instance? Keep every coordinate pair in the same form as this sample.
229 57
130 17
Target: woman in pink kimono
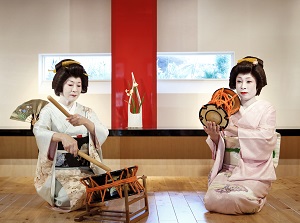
243 167
59 169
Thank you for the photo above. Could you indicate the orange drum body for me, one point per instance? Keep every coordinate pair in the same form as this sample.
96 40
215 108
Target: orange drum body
224 103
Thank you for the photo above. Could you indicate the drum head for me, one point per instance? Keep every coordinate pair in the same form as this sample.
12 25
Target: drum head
211 112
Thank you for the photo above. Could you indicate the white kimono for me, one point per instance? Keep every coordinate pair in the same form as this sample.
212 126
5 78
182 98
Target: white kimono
242 185
47 177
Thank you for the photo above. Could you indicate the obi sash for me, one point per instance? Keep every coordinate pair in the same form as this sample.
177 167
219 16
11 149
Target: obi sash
67 160
232 151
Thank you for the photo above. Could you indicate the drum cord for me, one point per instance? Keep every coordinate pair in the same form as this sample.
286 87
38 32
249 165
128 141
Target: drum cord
223 100
92 187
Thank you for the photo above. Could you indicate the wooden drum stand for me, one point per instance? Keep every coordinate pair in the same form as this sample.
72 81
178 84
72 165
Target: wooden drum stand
125 188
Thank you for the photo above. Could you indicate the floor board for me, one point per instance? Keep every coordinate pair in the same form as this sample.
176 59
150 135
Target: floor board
171 199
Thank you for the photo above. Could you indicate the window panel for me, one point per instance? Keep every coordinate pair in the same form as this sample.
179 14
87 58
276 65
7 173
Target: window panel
186 70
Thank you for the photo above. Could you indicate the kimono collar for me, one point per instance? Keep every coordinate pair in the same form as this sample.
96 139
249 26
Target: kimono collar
243 109
70 110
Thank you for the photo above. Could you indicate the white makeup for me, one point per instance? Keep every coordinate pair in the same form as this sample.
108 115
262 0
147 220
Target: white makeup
246 88
71 91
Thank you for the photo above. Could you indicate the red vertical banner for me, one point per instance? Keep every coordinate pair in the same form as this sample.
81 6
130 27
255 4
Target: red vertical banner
134 49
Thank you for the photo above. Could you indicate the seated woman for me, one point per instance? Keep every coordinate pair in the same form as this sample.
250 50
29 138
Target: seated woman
59 170
243 169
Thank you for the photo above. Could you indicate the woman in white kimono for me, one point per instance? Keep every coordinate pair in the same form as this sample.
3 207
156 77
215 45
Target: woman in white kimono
243 168
59 169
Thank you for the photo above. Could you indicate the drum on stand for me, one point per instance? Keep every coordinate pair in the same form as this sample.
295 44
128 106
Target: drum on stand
116 184
110 185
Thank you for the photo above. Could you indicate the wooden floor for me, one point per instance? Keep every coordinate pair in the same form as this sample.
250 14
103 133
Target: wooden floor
171 199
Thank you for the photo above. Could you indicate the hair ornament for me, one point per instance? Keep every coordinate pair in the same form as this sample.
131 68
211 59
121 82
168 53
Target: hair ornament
251 60
69 62
66 63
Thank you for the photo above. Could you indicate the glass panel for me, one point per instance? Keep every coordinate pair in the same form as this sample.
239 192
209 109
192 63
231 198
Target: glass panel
194 65
170 66
98 66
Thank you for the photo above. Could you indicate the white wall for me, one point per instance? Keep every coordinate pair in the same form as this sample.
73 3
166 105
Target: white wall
267 29
40 26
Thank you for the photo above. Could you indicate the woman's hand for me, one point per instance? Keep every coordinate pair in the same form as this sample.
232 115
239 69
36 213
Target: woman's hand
77 120
69 144
213 130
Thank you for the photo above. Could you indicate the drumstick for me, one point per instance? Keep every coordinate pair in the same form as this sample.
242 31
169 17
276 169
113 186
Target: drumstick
83 155
64 111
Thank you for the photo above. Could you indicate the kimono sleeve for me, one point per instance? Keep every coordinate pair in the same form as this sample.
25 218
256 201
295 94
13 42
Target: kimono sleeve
101 131
258 142
217 156
42 131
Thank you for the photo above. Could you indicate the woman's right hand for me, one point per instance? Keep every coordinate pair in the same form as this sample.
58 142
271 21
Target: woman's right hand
69 144
213 130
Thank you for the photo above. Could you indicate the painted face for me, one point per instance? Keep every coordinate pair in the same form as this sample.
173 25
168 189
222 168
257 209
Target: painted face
246 87
72 89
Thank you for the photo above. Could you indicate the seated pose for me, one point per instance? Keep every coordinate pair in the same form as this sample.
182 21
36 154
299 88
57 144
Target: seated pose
243 167
59 138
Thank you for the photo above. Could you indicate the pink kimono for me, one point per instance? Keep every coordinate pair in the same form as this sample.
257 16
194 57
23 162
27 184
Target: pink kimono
243 169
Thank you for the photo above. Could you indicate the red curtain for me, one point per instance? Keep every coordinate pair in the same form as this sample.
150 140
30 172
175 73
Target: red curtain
134 49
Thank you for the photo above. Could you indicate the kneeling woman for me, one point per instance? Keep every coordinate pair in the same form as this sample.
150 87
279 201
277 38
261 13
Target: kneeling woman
243 169
59 169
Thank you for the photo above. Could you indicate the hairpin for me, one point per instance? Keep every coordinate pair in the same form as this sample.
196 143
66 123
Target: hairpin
251 60
66 63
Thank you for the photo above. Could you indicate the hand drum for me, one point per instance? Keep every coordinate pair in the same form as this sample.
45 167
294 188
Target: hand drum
224 102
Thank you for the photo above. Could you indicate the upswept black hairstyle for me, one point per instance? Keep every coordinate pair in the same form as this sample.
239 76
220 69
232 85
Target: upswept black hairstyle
65 69
252 65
